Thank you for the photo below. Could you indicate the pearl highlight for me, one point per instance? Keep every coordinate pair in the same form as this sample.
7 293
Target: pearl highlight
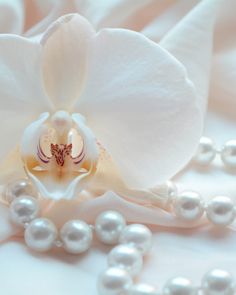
138 236
108 227
40 235
76 236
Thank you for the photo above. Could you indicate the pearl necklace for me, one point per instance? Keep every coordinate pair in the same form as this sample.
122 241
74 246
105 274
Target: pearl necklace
125 261
207 152
117 279
190 207
187 205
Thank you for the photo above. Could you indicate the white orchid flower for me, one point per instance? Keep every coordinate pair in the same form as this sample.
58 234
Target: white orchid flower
15 259
112 91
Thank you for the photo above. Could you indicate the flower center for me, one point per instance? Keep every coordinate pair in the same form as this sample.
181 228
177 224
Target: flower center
61 143
60 151
60 154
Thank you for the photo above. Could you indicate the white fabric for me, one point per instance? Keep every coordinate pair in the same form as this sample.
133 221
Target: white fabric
176 251
11 16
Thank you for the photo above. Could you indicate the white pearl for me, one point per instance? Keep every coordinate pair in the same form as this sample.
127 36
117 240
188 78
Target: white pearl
220 211
138 236
23 210
218 282
228 154
206 151
126 257
108 227
76 236
114 281
142 289
40 234
18 188
179 286
188 206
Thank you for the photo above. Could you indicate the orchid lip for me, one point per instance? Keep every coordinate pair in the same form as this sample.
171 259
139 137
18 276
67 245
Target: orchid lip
60 154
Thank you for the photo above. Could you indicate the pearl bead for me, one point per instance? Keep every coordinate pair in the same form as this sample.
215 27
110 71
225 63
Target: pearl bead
19 188
23 210
206 151
138 236
179 286
220 211
228 154
40 234
188 206
126 257
218 282
114 281
76 236
108 227
142 289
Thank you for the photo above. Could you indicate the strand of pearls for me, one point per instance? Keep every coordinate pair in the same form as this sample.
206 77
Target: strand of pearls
117 279
41 234
189 206
75 236
125 260
207 152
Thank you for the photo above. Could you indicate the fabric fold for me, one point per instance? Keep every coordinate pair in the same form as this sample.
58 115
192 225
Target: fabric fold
191 42
11 16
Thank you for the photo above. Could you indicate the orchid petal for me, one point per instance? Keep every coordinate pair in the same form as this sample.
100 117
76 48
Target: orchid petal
141 106
191 41
22 96
11 16
108 177
64 59
135 213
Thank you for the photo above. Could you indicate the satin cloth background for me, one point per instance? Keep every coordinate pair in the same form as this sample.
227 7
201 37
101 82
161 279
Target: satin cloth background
176 250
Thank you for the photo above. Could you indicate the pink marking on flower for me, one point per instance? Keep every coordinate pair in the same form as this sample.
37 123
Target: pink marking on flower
45 159
60 152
